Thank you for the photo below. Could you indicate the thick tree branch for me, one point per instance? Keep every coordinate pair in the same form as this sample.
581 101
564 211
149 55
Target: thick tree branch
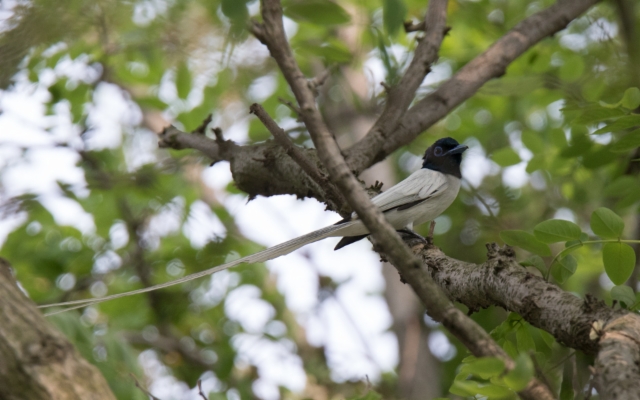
503 282
36 360
438 305
172 137
293 151
262 169
378 144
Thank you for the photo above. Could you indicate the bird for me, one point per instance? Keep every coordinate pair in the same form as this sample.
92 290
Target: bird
419 198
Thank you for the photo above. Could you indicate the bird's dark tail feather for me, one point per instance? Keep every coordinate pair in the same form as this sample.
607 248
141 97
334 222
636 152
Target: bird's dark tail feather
347 240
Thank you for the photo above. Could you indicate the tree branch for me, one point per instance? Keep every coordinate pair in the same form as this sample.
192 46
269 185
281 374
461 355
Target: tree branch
400 97
313 170
172 137
259 170
503 282
378 144
37 361
438 305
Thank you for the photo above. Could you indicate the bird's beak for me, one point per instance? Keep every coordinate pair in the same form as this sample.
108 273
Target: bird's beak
459 149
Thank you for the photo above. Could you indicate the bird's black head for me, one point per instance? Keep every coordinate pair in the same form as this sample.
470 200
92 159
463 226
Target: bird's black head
445 155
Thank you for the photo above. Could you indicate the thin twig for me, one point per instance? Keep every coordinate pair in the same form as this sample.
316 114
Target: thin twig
142 389
400 96
200 392
292 107
319 80
297 155
202 129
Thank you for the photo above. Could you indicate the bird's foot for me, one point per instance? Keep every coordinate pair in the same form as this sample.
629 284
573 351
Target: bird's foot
415 235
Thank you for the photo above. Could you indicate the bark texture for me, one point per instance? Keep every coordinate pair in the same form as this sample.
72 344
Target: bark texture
36 360
613 336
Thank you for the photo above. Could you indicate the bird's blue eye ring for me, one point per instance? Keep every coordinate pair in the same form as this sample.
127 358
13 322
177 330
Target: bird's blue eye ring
437 151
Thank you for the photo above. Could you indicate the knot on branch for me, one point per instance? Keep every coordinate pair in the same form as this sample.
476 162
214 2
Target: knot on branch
258 30
591 303
167 138
202 129
494 251
225 146
46 350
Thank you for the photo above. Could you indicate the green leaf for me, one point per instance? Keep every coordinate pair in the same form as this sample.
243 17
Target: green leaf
556 230
151 102
630 198
631 98
607 105
537 262
485 367
622 123
471 388
518 378
547 338
563 268
496 392
332 51
572 67
533 141
236 11
606 224
505 157
370 395
319 12
619 261
628 142
537 162
510 348
524 339
583 238
525 241
566 389
394 13
183 80
636 306
621 186
623 294
595 115
579 145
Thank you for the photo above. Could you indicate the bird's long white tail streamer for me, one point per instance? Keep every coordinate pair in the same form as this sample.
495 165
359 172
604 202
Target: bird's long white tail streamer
261 256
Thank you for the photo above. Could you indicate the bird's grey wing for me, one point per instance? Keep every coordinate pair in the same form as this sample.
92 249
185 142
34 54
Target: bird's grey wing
416 188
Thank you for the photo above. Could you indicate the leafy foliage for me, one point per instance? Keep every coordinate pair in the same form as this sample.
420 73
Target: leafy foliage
555 138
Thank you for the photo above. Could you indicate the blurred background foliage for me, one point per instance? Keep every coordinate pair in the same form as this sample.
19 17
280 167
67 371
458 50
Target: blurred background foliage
543 144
